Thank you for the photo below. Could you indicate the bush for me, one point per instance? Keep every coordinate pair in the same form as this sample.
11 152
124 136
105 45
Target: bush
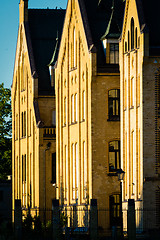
37 224
27 223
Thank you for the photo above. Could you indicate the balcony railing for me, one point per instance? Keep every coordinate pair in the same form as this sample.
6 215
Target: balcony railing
49 132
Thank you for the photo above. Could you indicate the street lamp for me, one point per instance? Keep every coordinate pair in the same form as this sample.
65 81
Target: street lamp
120 174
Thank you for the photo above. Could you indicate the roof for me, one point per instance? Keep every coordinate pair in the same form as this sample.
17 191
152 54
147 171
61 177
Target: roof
104 22
43 26
148 12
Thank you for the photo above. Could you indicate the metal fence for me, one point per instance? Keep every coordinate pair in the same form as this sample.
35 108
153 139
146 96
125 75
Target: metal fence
75 221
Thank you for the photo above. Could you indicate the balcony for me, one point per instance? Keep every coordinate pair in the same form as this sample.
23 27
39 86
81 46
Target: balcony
49 132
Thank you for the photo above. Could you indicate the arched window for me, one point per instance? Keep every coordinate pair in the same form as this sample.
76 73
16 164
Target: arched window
128 41
114 105
132 33
136 40
114 156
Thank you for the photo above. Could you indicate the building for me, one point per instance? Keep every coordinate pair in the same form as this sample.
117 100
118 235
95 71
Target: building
33 107
140 92
88 107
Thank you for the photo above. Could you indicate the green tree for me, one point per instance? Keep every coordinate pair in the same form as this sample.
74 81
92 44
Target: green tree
5 132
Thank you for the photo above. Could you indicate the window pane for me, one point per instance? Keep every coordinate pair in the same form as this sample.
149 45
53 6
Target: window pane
118 160
116 145
117 108
114 109
114 104
76 107
111 161
114 156
72 108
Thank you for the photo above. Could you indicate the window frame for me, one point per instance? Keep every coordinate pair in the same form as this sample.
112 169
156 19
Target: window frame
112 117
115 158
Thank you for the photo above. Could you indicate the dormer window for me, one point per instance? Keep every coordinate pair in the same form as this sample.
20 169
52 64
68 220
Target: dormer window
111 50
114 53
52 75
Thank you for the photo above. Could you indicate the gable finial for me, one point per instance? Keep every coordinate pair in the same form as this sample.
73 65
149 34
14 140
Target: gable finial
112 5
23 11
57 36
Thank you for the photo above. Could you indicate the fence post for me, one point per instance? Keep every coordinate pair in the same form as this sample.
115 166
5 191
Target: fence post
131 223
56 219
18 219
93 225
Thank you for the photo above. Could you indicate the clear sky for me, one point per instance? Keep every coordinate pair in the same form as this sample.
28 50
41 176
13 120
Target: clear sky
9 20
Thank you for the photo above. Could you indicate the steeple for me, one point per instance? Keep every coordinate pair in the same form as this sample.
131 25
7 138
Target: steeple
23 11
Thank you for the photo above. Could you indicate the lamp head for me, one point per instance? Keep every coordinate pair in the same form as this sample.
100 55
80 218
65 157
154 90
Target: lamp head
120 174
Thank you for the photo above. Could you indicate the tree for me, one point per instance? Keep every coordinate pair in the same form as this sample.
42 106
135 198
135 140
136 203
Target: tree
5 132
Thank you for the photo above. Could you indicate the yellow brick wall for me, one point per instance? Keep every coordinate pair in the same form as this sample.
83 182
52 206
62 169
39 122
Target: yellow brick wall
33 145
139 124
96 131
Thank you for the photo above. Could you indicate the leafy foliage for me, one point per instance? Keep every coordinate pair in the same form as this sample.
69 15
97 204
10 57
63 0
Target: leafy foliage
5 132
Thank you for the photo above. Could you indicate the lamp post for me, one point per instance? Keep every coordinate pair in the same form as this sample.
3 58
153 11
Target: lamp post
120 174
44 180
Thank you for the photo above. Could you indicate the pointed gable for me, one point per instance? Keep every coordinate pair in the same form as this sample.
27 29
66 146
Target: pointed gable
148 13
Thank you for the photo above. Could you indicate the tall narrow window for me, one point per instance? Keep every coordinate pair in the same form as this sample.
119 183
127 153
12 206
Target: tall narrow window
132 92
24 168
114 53
54 118
132 163
76 108
114 105
126 165
31 182
30 121
65 110
77 169
24 124
114 156
138 91
73 169
128 41
125 47
139 164
66 164
16 127
53 167
132 34
115 210
22 127
136 39
83 106
22 74
84 170
125 94
74 47
72 101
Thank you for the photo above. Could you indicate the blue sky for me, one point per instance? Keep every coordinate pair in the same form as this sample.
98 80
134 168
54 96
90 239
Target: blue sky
9 20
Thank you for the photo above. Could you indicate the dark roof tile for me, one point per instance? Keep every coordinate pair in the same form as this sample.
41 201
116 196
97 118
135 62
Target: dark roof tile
44 25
